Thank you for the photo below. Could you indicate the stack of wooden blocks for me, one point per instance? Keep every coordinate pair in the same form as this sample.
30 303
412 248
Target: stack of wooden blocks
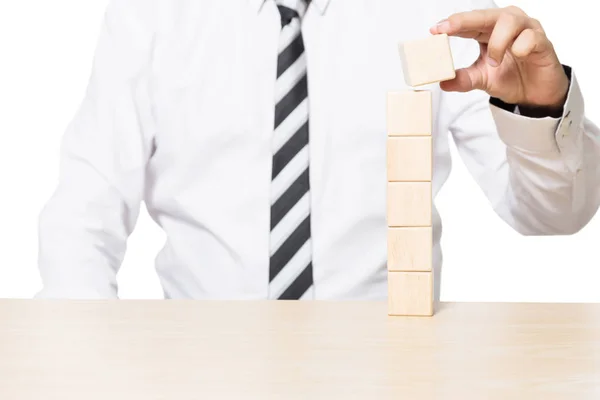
410 172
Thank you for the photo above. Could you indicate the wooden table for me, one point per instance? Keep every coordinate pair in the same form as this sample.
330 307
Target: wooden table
150 350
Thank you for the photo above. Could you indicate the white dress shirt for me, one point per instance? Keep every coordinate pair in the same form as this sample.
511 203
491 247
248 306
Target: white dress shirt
179 114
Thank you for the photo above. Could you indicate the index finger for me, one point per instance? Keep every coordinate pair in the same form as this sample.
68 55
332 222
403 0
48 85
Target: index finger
469 21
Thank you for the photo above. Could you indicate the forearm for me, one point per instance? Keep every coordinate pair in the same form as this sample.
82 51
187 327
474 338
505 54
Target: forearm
553 166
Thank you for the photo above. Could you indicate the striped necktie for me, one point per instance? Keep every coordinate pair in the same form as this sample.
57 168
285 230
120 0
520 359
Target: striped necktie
291 270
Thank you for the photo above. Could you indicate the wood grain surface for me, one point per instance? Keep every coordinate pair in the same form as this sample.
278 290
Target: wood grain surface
150 350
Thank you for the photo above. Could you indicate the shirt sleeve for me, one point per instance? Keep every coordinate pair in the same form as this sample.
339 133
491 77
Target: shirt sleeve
542 175
83 229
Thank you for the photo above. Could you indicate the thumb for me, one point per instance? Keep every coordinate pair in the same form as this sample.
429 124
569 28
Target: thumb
466 79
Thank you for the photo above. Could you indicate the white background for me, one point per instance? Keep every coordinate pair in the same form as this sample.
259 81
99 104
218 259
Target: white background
46 48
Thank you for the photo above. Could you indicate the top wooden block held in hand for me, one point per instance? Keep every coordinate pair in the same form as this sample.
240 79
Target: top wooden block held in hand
427 60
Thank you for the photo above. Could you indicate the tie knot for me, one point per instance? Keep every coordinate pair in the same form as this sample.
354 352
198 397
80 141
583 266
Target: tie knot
290 9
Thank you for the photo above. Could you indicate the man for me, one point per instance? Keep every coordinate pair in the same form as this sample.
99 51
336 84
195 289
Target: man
254 131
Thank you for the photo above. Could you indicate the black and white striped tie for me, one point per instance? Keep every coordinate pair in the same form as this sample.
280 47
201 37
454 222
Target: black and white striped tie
291 270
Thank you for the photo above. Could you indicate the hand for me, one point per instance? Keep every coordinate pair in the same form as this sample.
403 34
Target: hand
517 62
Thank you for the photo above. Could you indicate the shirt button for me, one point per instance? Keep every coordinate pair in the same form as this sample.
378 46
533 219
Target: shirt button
567 122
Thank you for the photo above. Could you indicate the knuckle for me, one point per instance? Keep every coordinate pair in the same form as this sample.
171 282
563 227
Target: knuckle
536 35
508 19
515 10
535 23
479 36
514 19
543 39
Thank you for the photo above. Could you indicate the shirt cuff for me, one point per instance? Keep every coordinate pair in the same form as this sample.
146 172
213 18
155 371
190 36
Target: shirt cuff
545 135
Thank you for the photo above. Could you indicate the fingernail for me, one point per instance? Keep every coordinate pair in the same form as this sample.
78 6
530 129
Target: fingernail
492 62
443 25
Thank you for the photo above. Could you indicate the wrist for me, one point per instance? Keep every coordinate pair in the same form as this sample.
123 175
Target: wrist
553 106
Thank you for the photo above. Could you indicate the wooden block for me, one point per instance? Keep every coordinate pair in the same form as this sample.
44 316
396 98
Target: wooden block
427 60
410 293
409 204
409 159
410 249
409 113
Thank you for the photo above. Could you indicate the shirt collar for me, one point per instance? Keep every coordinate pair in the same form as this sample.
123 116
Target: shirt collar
320 4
